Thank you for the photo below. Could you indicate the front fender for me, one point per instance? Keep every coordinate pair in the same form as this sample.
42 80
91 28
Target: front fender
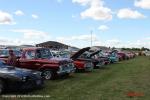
49 66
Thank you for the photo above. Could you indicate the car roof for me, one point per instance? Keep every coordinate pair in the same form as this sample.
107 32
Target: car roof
33 48
10 49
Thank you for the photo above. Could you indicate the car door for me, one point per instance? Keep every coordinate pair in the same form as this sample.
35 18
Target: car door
28 61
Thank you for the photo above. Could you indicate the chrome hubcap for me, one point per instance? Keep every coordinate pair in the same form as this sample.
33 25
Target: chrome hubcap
47 75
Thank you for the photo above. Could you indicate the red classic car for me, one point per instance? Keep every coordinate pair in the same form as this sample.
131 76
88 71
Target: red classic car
93 55
130 54
122 56
41 59
82 63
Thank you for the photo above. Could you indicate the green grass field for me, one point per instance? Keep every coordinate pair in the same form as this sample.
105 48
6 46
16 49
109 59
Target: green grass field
111 83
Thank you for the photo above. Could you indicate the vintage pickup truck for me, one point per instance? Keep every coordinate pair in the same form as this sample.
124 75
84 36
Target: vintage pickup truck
40 59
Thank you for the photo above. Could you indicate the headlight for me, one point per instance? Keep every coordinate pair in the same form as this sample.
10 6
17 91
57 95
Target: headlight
24 78
87 65
37 73
60 68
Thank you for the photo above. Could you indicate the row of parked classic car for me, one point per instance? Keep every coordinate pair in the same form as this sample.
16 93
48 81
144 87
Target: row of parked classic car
35 64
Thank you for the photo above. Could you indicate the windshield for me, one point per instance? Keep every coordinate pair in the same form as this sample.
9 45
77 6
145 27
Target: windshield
101 54
85 55
6 52
43 53
55 54
64 54
113 54
17 53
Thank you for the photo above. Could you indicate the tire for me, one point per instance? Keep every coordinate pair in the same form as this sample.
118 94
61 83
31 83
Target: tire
1 86
48 74
101 64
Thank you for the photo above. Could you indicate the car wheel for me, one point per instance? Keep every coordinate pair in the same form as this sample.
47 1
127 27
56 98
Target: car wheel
101 64
1 86
48 74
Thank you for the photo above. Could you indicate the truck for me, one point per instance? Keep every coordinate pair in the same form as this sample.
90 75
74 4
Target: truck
40 59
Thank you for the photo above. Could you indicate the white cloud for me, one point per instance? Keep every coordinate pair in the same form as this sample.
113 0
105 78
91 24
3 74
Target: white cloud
127 13
113 42
82 2
96 10
103 27
73 16
145 4
85 40
79 40
10 41
19 13
32 34
6 18
148 38
4 41
59 1
28 36
139 43
35 16
128 44
79 37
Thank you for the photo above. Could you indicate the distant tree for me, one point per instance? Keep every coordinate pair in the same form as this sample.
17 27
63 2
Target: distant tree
113 48
144 49
132 49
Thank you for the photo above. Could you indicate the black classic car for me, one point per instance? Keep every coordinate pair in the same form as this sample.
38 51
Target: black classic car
19 79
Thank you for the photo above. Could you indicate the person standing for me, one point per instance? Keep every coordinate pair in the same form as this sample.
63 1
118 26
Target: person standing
12 60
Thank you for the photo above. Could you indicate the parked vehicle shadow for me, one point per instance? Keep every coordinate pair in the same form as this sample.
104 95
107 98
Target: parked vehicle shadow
104 68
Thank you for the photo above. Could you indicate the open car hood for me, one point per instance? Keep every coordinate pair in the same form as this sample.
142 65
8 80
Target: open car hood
80 52
94 53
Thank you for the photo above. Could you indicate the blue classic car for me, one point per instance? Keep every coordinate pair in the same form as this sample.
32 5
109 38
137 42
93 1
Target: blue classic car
113 56
18 79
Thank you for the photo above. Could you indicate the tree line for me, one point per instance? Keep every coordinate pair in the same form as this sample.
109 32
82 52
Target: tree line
136 49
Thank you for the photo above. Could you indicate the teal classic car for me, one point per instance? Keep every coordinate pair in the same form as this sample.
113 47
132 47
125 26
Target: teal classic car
113 56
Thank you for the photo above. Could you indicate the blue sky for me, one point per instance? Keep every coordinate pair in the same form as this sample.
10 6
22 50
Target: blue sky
119 23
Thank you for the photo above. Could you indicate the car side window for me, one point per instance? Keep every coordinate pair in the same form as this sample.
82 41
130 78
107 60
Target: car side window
113 54
45 53
30 55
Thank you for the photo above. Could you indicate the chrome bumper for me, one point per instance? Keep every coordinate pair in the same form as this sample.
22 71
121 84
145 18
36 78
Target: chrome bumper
89 67
66 69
